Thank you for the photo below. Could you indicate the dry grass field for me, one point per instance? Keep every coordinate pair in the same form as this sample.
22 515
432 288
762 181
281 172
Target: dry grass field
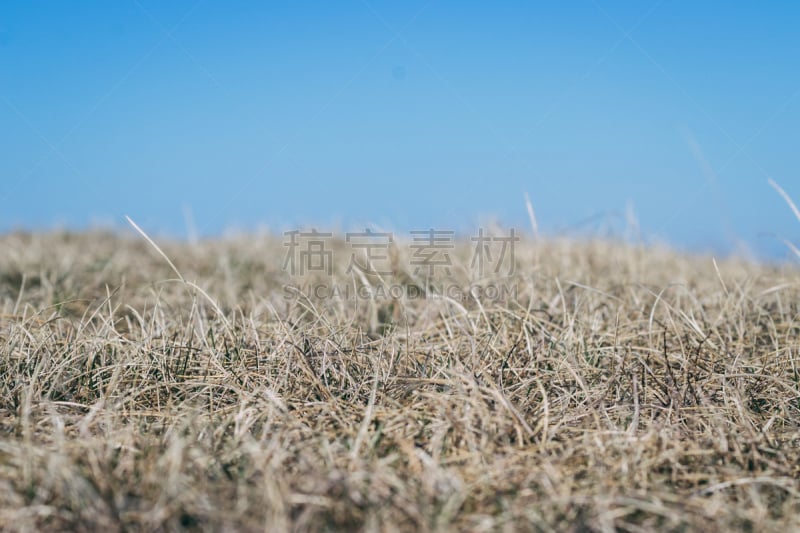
615 388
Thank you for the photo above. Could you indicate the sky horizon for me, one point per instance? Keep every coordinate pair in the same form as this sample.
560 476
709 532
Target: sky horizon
405 116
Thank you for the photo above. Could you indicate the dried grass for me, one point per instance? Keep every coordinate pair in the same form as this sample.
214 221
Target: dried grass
623 389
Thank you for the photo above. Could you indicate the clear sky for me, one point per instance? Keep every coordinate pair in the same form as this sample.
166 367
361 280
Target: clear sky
406 115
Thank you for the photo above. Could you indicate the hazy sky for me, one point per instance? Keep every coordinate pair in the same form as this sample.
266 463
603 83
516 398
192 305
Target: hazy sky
403 114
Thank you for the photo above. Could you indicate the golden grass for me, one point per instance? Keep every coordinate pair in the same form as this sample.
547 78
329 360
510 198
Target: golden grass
622 389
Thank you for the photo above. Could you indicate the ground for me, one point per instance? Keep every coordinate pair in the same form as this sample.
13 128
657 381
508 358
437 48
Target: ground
599 386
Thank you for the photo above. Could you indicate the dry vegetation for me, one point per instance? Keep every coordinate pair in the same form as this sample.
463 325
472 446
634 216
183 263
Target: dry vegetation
622 389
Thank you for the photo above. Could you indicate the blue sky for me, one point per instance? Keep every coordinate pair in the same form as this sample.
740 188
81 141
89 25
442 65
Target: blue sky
404 115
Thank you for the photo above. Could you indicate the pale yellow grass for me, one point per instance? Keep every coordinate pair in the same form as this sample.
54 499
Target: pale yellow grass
622 389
